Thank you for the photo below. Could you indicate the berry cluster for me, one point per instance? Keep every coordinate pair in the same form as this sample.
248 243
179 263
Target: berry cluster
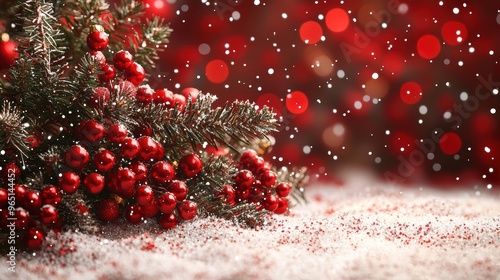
256 183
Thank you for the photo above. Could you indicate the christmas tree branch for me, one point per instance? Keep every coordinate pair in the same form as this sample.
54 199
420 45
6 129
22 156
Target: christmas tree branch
12 132
199 123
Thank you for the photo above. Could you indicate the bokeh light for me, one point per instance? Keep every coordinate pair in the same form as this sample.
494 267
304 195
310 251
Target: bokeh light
428 46
297 102
337 20
217 71
410 92
310 32
450 143
454 32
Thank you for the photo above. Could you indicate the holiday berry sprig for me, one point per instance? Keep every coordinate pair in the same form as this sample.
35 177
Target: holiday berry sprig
119 149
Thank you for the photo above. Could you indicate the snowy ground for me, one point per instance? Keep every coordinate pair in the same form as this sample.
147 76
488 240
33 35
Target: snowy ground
355 232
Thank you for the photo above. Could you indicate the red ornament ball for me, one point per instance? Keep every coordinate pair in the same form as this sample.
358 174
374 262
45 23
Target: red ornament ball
97 40
161 172
34 238
51 195
129 147
125 181
282 206
140 170
22 218
10 172
145 94
190 165
100 97
151 210
165 97
69 182
76 157
144 195
167 202
167 220
94 183
179 189
180 102
283 189
135 74
268 178
3 197
190 93
32 201
99 56
247 157
270 202
20 193
244 179
228 194
187 209
108 210
122 60
133 214
104 160
90 130
148 148
48 214
109 73
116 133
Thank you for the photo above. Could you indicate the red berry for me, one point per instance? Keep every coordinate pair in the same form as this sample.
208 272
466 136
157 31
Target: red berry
69 182
190 165
122 60
258 165
150 210
3 197
127 88
148 148
140 170
51 195
97 40
256 193
270 202
160 152
190 92
10 172
135 74
244 179
129 147
228 194
145 94
282 206
34 238
20 193
91 131
268 178
116 133
125 181
76 157
283 189
133 214
108 210
242 194
22 218
100 97
187 209
179 102
109 73
32 201
48 214
161 172
94 182
165 97
167 221
143 130
179 189
247 157
144 195
167 202
104 160
99 56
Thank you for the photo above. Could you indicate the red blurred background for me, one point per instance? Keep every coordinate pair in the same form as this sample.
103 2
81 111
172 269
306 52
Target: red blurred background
404 89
